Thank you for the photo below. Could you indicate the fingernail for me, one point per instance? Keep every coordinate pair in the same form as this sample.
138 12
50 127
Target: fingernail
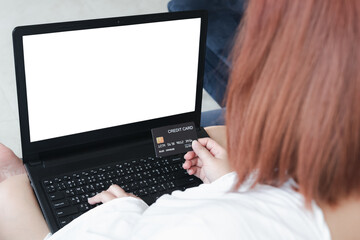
195 144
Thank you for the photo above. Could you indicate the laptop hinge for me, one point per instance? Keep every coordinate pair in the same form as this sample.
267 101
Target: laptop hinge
33 160
36 163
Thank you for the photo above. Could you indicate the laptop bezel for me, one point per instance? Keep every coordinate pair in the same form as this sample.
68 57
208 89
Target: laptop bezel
31 150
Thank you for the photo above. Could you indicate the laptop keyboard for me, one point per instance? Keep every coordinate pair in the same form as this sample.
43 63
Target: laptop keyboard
148 178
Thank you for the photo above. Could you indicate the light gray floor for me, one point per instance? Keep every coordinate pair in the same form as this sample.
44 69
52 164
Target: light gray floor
24 12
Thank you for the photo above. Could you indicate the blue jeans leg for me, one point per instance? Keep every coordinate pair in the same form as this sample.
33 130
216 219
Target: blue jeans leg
213 118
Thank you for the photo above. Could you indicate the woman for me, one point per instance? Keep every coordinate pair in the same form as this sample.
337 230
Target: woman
293 139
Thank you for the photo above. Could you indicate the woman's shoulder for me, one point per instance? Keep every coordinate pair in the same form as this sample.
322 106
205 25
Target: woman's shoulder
264 212
275 213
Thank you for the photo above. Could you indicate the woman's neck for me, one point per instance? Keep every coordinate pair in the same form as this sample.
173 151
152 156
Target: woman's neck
344 219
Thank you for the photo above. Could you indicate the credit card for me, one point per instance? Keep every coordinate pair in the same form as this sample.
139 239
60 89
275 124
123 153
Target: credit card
173 139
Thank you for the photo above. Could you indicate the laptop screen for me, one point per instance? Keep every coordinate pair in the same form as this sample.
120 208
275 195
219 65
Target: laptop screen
85 80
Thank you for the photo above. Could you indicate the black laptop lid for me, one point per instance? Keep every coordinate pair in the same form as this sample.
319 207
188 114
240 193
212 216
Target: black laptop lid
88 81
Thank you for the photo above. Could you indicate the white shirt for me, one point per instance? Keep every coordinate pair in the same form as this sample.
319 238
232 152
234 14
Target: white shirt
209 211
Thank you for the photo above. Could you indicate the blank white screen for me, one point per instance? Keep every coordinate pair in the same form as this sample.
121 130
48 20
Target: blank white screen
86 80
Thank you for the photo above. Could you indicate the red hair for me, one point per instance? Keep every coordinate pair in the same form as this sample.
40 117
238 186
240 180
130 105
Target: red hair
293 105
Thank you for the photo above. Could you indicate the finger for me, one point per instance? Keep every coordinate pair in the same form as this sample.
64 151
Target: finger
192 170
210 144
186 164
192 162
196 172
201 151
102 197
189 155
117 191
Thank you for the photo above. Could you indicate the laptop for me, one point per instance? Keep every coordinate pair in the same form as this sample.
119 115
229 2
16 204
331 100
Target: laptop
89 93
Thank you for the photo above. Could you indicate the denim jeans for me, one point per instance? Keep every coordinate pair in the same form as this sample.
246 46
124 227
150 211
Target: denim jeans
224 18
213 118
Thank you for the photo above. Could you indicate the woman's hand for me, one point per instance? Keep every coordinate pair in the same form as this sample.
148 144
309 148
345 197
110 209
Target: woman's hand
208 160
114 191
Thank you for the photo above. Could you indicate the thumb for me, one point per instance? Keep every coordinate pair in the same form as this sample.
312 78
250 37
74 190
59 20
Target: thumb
201 151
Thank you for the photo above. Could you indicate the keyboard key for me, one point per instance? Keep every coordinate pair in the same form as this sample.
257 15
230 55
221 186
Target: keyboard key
65 220
75 200
176 160
108 183
134 185
152 189
90 188
126 187
66 178
161 179
56 196
69 192
127 179
61 204
90 179
70 184
100 177
170 185
50 189
181 174
138 176
80 181
134 162
110 175
184 181
47 182
100 186
140 192
79 190
67 211
60 186
76 175
84 198
165 170
76 215
92 194
118 181
84 207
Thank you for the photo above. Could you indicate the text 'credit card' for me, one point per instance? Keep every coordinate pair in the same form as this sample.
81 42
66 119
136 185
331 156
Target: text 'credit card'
173 139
